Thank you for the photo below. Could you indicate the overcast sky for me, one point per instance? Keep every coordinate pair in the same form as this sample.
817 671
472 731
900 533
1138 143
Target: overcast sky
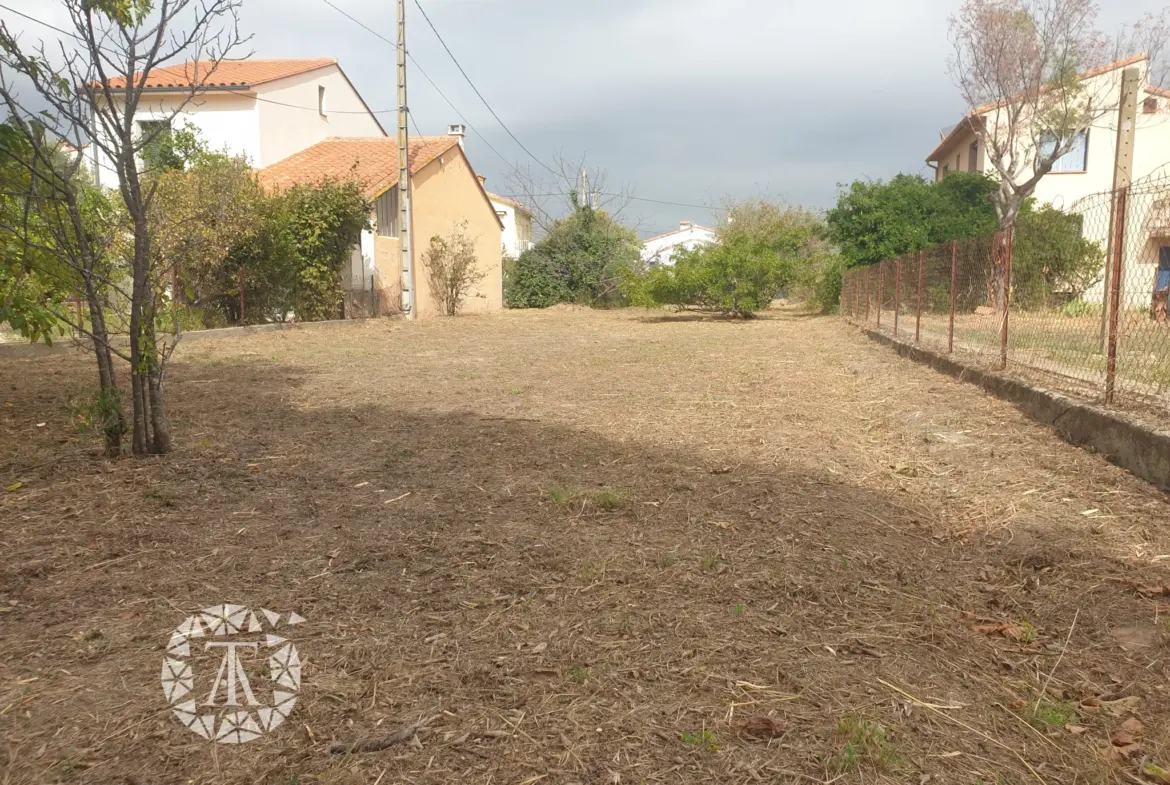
682 100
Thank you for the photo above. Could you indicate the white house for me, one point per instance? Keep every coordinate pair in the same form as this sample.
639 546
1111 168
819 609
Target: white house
661 249
1087 170
265 110
517 221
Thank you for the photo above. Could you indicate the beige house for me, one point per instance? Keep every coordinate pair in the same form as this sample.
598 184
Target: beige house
264 110
1087 170
444 193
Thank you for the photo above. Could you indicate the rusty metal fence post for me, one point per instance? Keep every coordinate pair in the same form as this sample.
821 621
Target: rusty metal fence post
918 314
1008 240
881 276
954 276
240 281
1115 295
866 321
897 293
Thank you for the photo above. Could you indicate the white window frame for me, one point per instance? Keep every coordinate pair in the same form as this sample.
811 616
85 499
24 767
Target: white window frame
1066 164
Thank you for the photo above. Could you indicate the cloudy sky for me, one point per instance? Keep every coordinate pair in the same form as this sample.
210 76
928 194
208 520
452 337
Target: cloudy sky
679 100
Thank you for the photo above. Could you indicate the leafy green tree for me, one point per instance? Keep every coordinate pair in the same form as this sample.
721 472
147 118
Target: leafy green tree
763 249
874 220
324 222
201 209
581 260
29 298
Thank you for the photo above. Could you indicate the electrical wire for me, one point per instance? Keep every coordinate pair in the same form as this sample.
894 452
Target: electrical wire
424 74
478 93
633 199
40 22
411 114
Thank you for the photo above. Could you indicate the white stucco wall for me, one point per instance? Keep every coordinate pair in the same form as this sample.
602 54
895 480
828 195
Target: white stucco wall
280 120
1080 192
516 238
661 250
286 130
510 239
225 121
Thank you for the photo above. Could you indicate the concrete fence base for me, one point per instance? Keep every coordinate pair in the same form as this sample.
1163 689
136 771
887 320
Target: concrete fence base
1138 448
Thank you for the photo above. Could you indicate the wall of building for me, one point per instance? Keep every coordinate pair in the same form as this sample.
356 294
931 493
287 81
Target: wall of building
661 250
444 193
289 129
225 121
517 234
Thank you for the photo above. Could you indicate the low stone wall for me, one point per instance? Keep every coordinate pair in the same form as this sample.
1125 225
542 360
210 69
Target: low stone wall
1137 447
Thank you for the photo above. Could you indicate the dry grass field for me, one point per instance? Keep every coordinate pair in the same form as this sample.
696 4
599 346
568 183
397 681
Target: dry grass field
576 547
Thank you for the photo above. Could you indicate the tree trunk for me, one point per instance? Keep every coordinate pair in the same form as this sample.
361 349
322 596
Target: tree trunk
109 402
141 349
161 444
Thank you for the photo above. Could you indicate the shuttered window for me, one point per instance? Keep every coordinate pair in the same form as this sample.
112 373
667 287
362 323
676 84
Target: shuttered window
386 212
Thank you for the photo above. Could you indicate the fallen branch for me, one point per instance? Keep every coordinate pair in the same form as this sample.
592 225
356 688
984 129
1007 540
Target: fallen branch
962 724
1063 649
374 745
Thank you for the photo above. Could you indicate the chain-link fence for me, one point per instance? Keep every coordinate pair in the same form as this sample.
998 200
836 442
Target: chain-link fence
1077 300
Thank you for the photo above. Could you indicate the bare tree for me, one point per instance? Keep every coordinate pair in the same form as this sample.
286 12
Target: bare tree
452 268
562 188
1025 67
95 88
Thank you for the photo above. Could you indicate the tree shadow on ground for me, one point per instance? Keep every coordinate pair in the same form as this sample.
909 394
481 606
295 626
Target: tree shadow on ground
559 600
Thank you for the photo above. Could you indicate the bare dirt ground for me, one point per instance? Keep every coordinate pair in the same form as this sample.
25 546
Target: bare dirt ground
584 548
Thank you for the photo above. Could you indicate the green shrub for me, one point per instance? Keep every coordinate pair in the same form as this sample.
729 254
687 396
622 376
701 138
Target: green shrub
822 277
582 260
1079 308
740 277
1052 263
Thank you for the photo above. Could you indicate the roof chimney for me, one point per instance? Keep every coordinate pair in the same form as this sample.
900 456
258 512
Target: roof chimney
458 130
481 178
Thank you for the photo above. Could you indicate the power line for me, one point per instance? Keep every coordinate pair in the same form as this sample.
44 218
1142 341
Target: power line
42 23
478 93
424 74
412 118
631 198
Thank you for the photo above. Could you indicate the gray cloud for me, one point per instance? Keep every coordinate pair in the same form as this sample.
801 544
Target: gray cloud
684 100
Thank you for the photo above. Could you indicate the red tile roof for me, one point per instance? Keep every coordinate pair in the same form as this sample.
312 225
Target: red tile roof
226 73
370 161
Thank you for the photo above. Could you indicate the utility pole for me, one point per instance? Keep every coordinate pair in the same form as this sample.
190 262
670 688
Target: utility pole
405 227
1122 177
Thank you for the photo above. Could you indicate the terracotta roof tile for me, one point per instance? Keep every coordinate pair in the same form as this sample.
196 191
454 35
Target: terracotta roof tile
227 73
370 161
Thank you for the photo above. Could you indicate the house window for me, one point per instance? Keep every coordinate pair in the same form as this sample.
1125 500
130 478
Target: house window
1150 106
1075 160
321 99
158 147
973 157
386 213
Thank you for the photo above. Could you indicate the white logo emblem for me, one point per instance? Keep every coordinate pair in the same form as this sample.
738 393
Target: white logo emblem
231 641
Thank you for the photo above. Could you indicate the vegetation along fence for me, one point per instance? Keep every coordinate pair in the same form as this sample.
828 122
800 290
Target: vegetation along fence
1076 299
